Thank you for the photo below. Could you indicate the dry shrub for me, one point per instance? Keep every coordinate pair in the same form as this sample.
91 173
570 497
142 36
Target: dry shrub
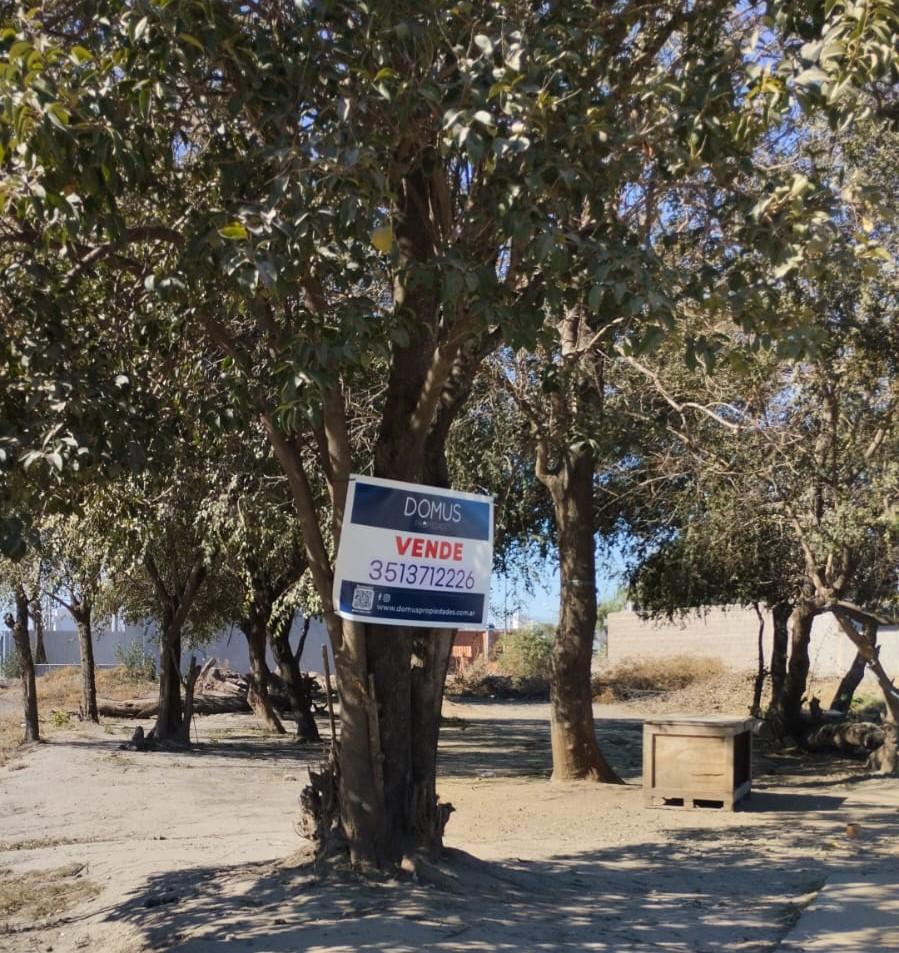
466 679
635 677
29 896
478 681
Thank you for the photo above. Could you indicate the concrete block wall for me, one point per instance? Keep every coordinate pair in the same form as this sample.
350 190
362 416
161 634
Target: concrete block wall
730 634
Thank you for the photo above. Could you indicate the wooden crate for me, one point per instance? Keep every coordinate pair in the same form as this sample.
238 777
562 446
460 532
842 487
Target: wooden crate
694 761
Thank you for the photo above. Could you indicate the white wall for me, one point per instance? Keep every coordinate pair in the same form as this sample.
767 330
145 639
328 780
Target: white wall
228 646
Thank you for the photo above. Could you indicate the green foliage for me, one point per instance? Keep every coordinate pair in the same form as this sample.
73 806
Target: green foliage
526 653
186 163
137 664
780 483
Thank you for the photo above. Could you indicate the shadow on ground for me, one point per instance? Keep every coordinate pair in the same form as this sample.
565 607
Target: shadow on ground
241 749
700 890
520 748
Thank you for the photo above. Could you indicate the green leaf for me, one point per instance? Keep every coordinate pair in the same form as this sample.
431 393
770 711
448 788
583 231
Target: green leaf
234 232
189 38
58 115
814 76
19 49
400 336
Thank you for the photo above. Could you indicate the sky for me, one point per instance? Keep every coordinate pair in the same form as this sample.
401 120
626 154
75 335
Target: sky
542 605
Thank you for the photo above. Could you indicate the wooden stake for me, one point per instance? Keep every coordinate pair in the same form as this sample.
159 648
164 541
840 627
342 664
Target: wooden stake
331 721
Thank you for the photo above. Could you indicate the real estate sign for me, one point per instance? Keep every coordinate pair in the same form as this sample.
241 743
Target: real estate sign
414 555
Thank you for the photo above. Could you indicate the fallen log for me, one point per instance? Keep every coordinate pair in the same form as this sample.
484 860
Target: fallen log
215 680
219 691
204 704
855 738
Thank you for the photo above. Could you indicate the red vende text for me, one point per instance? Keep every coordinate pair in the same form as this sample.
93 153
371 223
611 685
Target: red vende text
428 548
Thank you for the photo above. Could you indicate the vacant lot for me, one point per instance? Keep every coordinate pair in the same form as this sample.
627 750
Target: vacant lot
110 850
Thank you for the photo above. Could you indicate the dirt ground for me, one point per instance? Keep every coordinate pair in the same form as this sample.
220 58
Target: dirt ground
114 851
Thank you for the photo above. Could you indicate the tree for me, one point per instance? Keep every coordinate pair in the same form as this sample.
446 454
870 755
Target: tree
261 552
163 571
808 436
73 551
18 625
707 540
256 154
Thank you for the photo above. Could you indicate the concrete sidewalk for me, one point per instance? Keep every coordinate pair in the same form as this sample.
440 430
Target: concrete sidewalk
852 916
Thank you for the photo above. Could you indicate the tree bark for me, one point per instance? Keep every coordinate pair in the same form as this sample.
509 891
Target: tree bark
886 759
780 612
170 712
82 613
19 628
37 616
193 671
761 671
842 700
298 688
176 605
790 708
575 751
254 629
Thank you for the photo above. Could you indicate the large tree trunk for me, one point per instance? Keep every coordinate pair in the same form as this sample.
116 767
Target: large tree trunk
842 699
389 730
82 615
170 715
575 751
298 686
254 630
790 708
780 643
19 628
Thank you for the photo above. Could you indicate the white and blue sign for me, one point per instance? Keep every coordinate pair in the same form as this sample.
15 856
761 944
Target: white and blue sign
414 555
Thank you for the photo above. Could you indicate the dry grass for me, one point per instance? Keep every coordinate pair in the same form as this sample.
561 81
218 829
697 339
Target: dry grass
26 897
59 701
10 736
636 678
41 843
61 688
